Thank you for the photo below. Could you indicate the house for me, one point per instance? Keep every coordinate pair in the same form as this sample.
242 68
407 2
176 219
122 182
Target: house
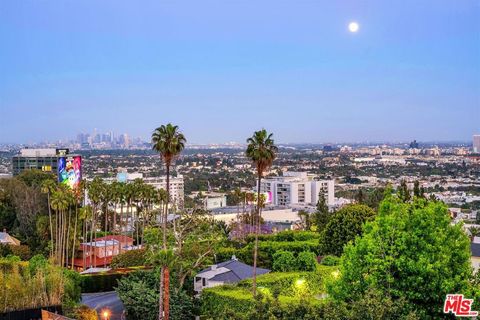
5 238
475 258
101 251
231 271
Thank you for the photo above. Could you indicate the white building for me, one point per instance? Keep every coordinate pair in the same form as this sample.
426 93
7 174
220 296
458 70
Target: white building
177 193
476 143
297 188
211 200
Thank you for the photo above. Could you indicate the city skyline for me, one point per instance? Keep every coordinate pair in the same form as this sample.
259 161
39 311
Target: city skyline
411 71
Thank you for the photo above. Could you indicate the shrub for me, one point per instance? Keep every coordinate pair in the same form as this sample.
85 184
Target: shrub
83 312
266 250
21 251
287 235
100 282
306 261
130 258
237 302
39 286
330 260
283 261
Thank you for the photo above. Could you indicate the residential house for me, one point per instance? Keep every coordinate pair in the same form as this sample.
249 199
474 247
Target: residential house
101 251
5 238
231 271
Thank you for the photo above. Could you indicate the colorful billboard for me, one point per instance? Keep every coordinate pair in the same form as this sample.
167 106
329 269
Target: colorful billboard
70 171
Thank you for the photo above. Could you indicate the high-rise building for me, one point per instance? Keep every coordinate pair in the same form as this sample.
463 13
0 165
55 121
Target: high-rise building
476 143
297 188
67 167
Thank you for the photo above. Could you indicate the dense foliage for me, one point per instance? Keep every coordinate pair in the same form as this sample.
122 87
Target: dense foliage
131 258
346 224
287 261
410 253
35 284
288 289
139 294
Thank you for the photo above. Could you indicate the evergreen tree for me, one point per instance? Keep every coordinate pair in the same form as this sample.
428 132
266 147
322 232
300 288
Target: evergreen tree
321 215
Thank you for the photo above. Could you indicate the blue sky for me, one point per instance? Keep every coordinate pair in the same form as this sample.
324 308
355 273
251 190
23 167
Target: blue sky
221 69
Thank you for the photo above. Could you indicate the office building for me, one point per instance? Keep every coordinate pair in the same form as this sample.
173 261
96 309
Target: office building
67 167
297 188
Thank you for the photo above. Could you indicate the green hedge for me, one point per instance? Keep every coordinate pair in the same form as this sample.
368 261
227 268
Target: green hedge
289 287
99 282
283 283
288 235
130 258
266 250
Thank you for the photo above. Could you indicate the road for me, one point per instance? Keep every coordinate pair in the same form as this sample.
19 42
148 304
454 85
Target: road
104 300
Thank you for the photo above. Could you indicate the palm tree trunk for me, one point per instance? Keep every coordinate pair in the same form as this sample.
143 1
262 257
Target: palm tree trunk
51 225
160 299
166 304
166 288
74 234
68 236
257 231
106 230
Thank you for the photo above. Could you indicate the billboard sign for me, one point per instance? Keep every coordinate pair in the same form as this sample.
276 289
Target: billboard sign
70 171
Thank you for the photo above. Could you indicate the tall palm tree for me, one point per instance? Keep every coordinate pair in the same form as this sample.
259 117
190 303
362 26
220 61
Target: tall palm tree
262 151
79 198
169 142
94 189
60 203
48 187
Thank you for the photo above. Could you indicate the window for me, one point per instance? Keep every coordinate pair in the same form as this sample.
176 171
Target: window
204 282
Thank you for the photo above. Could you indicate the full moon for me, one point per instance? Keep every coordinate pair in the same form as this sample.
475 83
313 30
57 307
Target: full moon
353 27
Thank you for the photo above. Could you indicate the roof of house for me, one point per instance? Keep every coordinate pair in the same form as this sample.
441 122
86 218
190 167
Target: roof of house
6 238
101 243
230 271
475 249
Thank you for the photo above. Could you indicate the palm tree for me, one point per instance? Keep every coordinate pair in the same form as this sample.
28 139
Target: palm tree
169 142
262 151
59 204
79 198
95 194
48 187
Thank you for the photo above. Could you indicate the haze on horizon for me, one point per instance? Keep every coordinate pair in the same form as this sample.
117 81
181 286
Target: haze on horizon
222 69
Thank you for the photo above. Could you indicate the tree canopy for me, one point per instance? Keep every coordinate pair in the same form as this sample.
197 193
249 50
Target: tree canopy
410 252
345 224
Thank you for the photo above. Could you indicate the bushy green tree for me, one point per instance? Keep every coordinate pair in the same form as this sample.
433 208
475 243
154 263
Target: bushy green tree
409 253
306 261
321 216
139 294
284 261
346 224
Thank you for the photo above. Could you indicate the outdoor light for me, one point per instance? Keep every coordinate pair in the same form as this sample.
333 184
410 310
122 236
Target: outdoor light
300 282
106 314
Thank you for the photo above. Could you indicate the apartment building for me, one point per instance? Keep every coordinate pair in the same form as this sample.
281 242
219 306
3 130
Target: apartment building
298 188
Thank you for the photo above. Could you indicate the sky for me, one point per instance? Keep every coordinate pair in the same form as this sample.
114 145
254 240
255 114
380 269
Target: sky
223 69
